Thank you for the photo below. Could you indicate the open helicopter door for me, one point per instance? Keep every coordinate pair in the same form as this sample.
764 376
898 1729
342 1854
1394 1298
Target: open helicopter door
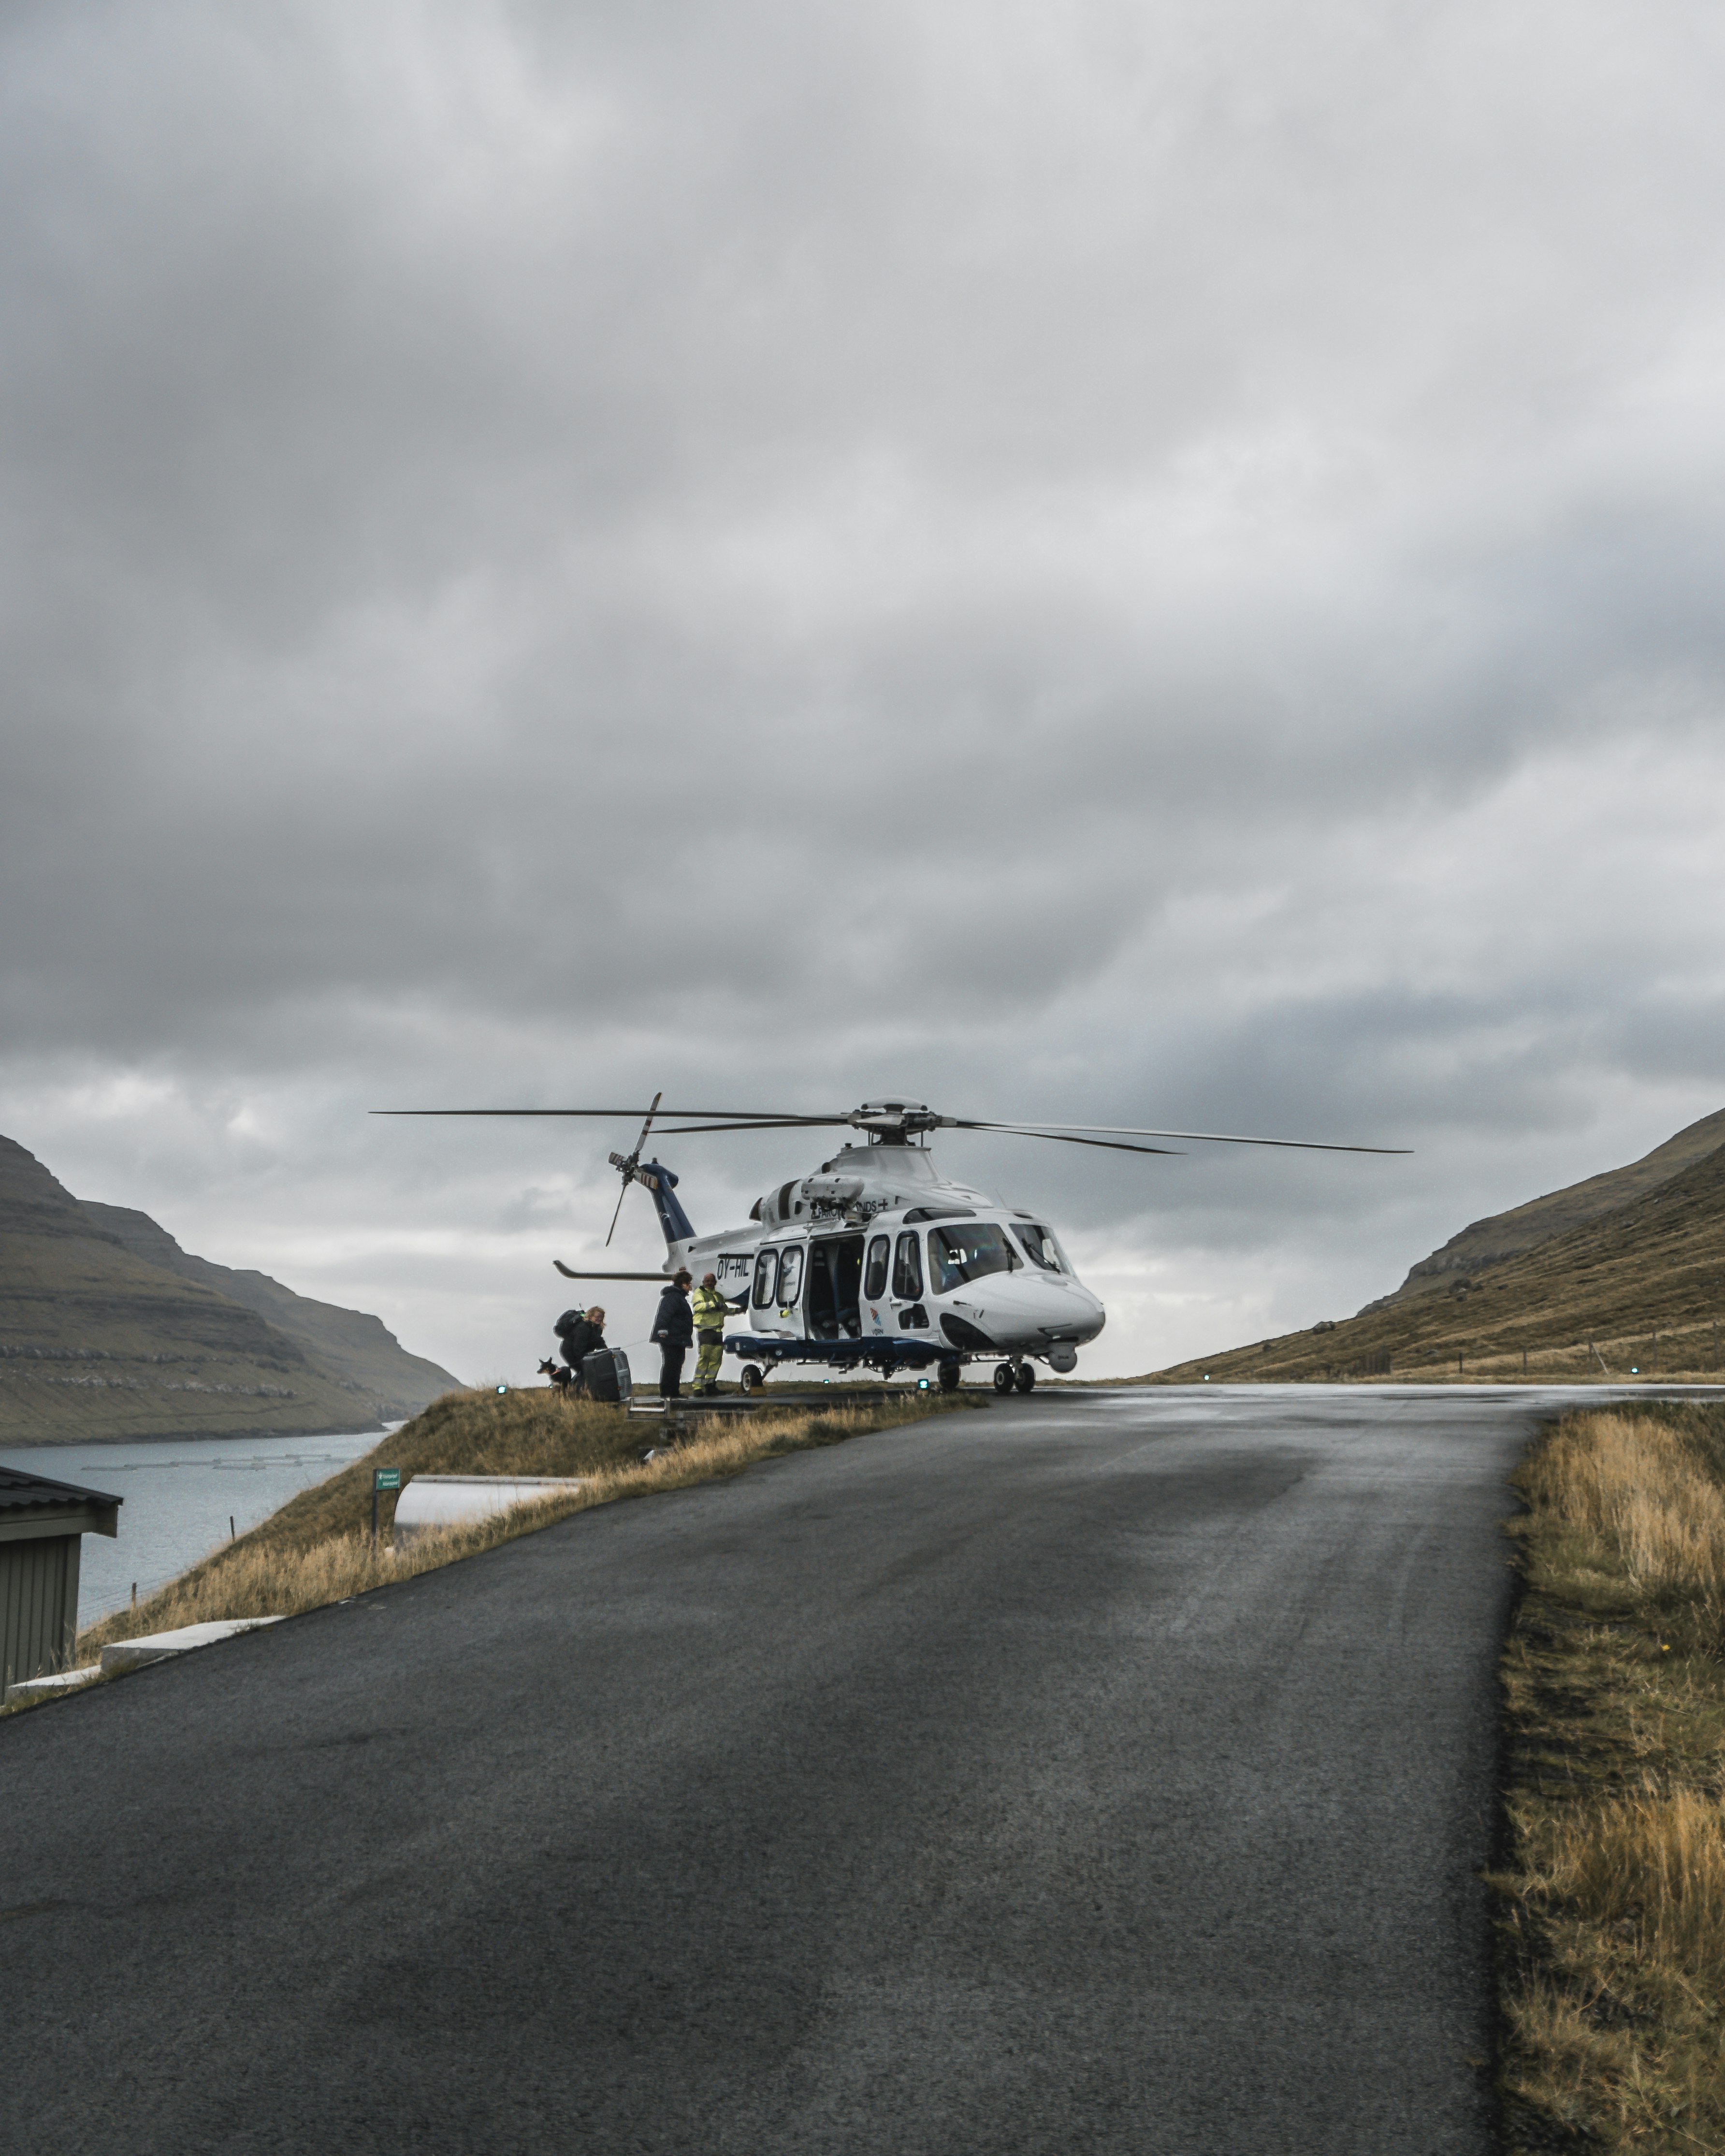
835 1282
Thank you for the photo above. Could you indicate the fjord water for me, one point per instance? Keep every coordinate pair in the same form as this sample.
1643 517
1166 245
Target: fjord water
179 1494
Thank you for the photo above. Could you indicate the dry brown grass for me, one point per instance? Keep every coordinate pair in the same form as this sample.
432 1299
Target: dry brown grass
1614 1899
1640 1488
318 1548
1654 1864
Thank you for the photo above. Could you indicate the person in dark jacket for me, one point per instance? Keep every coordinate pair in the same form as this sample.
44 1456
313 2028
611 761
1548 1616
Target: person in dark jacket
674 1329
580 1333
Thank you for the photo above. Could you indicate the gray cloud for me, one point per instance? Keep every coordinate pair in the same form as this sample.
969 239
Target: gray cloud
1156 565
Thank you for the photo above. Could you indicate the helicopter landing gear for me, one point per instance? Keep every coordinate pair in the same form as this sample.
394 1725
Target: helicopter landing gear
752 1377
949 1376
1002 1377
1026 1377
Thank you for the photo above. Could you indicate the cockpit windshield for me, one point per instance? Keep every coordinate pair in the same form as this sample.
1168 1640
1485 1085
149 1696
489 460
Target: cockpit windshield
967 1252
1041 1248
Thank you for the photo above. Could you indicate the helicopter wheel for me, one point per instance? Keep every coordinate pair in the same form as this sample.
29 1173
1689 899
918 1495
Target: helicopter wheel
949 1376
752 1377
1002 1377
1026 1377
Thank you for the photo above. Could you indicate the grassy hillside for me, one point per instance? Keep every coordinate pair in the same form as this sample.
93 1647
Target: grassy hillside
347 1344
96 1343
1487 1243
1644 1282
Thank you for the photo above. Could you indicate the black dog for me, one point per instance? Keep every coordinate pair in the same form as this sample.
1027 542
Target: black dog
560 1375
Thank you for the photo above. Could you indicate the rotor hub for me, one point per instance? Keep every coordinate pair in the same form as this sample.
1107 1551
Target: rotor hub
894 1122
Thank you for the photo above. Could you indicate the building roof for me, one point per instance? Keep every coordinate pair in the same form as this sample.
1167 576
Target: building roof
24 1498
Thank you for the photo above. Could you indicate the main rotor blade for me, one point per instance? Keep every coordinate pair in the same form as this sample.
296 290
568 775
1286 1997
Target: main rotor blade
1207 1137
1060 1137
950 1122
750 1119
766 1123
742 1116
621 1195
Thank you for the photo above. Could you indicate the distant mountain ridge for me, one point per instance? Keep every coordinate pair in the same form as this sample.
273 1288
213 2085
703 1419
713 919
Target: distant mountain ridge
1503 1236
352 1345
1622 1274
109 1329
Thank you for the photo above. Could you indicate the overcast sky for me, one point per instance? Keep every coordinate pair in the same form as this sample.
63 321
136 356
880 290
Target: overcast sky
1152 564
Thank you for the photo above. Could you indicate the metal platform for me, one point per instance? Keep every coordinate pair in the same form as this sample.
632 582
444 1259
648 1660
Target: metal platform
650 1408
647 1407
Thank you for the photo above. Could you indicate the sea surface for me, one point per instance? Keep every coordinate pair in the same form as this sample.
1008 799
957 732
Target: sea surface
183 1496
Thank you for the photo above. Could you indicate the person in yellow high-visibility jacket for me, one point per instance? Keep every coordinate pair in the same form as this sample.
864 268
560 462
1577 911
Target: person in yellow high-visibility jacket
710 1310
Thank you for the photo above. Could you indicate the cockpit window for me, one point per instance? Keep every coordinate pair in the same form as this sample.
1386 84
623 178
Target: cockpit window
1041 1248
907 1267
957 1255
766 1280
875 1279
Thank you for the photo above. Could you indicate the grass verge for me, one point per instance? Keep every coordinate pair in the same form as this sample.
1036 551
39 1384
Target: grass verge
318 1547
1612 1901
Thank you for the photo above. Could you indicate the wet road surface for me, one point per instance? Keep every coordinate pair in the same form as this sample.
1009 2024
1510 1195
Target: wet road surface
1101 1772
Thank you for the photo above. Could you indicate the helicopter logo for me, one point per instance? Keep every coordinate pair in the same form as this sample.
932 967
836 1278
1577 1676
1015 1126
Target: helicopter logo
876 1260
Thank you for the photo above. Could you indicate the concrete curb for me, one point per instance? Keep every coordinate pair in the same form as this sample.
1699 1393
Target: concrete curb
46 1687
125 1655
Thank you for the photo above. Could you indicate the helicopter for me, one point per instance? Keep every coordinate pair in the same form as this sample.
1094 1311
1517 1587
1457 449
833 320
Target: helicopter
876 1260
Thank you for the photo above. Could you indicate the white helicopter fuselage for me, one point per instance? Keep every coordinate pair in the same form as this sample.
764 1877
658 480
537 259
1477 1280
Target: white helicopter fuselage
878 1259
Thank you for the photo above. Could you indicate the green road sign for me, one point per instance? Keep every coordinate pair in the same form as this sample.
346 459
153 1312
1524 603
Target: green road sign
386 1478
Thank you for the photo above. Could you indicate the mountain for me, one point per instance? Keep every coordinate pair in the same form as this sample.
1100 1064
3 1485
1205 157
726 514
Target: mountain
1506 1235
109 1329
1621 1275
350 1346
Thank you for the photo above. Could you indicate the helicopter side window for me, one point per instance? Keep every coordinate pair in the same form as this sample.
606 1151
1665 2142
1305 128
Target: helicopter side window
907 1268
875 1279
765 1292
957 1255
1040 1247
790 1276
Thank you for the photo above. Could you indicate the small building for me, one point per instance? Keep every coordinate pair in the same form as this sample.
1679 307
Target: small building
40 1526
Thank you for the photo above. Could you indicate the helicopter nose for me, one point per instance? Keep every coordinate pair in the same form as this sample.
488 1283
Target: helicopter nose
1023 1315
1069 1313
1090 1316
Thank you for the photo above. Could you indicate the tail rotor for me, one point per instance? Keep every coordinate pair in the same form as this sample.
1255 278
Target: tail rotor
627 1163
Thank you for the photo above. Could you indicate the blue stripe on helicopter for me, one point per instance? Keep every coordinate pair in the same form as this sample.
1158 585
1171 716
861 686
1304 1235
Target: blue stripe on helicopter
901 1350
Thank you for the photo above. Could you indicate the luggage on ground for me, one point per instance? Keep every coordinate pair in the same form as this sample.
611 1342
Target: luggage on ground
605 1374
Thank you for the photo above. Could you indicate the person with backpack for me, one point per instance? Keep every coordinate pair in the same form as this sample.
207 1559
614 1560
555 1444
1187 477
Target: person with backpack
673 1330
580 1333
709 1309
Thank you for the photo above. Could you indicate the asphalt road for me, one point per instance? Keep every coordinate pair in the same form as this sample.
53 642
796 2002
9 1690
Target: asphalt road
1102 1772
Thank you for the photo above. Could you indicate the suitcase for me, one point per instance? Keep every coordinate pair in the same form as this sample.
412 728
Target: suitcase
605 1374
